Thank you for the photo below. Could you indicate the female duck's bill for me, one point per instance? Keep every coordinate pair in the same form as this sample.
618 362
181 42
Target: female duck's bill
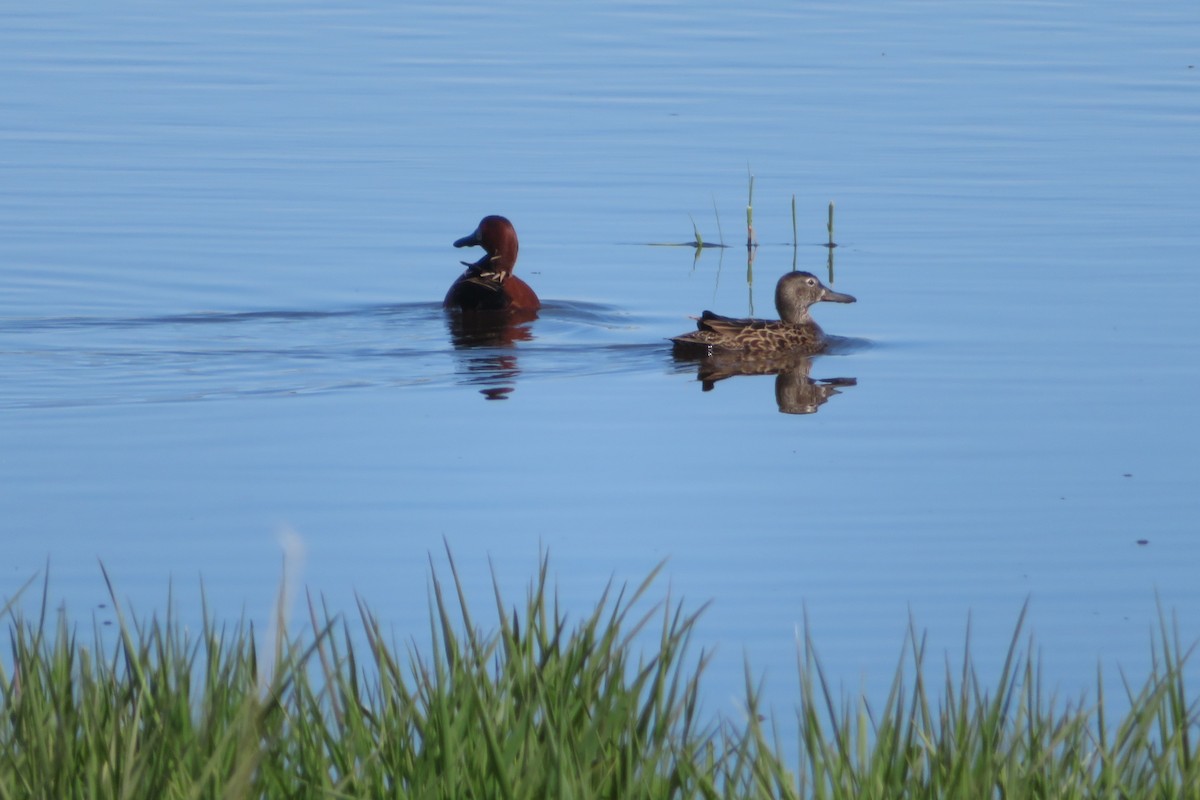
795 331
488 284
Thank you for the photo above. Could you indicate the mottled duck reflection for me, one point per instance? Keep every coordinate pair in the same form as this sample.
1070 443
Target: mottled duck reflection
795 391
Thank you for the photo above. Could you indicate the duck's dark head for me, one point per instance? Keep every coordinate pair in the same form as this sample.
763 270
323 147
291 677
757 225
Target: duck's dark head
796 291
498 238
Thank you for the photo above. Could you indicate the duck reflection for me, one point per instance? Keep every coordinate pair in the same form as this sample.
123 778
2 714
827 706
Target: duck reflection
484 341
795 391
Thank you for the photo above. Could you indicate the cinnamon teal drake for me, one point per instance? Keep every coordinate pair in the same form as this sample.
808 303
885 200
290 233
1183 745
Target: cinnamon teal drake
794 332
489 283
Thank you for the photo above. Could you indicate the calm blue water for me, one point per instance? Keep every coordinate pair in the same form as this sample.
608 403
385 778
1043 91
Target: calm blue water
225 234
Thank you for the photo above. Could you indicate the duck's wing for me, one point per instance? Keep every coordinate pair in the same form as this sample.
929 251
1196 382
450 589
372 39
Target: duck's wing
484 281
718 324
475 292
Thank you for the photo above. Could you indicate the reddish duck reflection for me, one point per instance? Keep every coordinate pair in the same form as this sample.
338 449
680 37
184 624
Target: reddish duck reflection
485 353
490 328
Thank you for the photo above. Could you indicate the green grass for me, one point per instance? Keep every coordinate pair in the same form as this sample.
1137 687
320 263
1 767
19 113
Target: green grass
544 707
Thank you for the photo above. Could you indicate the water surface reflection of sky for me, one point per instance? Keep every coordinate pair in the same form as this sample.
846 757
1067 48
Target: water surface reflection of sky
225 232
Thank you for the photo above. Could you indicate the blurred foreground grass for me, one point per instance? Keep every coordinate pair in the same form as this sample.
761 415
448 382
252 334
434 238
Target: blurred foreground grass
538 708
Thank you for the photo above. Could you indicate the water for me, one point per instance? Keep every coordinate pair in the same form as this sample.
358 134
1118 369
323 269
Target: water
225 233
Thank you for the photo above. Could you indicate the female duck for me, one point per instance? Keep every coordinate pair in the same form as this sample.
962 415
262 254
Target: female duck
488 284
794 332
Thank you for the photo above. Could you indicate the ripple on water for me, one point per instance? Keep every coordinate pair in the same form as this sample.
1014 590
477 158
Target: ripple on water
88 361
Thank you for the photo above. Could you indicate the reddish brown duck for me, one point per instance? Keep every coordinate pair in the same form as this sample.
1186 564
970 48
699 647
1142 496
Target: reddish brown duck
488 284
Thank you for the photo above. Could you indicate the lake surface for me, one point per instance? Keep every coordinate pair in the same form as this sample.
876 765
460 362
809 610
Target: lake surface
225 232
